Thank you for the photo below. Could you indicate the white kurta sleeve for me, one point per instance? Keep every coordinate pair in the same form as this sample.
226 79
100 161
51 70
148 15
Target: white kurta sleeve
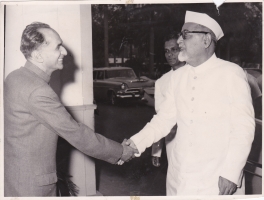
158 95
160 125
159 98
242 125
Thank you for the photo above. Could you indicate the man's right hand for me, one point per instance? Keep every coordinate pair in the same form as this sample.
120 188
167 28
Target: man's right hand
155 161
128 151
226 187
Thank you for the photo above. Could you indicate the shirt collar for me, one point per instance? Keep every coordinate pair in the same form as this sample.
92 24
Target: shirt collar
206 65
40 73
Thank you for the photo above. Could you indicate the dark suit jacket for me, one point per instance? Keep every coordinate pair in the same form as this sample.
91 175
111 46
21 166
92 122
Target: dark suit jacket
34 118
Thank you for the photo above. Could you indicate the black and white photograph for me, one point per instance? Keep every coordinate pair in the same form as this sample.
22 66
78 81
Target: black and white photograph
131 100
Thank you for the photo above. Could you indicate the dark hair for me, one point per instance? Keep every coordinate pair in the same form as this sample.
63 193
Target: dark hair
31 38
170 36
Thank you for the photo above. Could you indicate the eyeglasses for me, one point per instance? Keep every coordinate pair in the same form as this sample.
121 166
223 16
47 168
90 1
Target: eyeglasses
185 32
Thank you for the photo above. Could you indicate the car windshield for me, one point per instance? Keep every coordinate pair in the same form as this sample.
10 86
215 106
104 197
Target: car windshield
128 73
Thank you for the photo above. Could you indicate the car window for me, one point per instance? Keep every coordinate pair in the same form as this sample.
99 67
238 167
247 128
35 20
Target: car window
100 75
129 73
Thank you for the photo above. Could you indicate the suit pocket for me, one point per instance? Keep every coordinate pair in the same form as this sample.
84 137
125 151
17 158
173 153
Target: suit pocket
46 179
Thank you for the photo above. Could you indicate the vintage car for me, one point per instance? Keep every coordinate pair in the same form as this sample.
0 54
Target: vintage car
253 167
149 96
116 83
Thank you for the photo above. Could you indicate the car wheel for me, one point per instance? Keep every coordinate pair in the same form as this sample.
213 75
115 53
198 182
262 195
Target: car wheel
112 99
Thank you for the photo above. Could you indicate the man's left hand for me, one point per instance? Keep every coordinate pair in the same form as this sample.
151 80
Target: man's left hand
226 187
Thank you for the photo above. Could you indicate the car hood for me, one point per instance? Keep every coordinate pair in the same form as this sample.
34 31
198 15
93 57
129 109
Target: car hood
134 82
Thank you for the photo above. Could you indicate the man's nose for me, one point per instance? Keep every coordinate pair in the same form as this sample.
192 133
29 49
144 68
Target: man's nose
63 51
180 39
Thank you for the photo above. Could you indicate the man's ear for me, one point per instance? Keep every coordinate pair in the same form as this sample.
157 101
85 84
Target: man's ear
207 40
36 55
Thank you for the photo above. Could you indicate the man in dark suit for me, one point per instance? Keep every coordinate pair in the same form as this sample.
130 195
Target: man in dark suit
34 118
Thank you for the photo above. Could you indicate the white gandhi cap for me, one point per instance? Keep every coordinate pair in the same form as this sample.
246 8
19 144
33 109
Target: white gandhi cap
205 20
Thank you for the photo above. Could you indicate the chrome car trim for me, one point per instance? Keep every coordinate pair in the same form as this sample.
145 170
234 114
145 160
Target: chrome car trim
127 96
253 168
254 163
258 121
253 173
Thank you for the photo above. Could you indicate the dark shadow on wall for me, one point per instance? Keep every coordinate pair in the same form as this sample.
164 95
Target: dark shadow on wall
59 79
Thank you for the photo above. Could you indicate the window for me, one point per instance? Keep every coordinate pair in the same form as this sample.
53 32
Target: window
128 73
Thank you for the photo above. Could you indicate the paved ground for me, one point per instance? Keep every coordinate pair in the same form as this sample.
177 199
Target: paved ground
138 176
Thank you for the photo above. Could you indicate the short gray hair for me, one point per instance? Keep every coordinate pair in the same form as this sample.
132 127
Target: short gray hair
31 38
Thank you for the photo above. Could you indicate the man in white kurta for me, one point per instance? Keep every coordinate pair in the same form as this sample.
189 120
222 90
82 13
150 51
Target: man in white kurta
171 49
210 100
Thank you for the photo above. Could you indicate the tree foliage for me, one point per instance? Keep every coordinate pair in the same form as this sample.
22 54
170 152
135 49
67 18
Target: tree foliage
130 25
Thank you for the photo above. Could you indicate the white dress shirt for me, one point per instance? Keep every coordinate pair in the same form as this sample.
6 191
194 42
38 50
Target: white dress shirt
212 106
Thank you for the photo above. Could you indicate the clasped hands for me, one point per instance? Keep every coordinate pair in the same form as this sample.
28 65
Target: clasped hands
129 150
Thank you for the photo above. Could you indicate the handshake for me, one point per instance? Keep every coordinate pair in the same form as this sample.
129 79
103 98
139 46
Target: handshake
129 150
